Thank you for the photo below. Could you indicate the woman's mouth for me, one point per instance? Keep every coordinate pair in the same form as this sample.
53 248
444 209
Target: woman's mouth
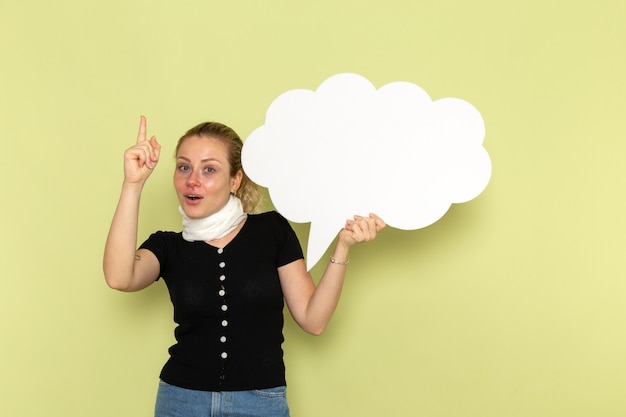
193 198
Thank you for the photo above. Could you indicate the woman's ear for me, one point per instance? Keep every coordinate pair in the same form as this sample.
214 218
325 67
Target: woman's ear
235 181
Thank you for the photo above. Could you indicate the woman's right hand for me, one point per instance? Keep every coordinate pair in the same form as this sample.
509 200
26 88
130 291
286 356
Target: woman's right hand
140 160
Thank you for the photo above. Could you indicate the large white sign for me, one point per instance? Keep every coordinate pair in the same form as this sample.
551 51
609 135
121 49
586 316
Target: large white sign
348 148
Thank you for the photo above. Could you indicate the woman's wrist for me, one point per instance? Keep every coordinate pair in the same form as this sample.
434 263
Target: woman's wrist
335 261
135 187
340 255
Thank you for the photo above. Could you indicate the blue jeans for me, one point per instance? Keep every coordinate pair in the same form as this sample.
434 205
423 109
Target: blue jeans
174 401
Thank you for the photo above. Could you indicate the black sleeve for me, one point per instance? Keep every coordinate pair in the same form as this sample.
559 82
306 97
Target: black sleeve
157 244
289 248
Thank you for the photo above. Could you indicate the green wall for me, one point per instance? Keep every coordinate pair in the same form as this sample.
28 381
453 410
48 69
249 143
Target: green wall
511 305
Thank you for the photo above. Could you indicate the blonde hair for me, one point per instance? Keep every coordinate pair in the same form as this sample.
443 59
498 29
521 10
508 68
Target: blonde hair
248 191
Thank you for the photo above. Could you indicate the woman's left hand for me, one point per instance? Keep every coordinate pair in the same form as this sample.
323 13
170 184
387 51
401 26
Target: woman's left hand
361 229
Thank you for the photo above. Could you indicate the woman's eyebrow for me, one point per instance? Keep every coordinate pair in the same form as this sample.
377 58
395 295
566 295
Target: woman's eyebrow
203 160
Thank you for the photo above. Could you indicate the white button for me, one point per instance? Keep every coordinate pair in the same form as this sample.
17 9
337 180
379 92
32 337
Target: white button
222 293
220 250
222 264
222 277
224 307
224 323
224 355
223 339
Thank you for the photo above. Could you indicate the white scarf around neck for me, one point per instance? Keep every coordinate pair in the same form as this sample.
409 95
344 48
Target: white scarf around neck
216 225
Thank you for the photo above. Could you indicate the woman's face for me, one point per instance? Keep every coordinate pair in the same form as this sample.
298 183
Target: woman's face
202 176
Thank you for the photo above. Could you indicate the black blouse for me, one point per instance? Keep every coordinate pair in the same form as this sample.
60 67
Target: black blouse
228 304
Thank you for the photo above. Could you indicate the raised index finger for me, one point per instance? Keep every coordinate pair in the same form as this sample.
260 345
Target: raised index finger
141 136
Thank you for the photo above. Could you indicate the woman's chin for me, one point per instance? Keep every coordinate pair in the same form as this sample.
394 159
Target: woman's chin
192 212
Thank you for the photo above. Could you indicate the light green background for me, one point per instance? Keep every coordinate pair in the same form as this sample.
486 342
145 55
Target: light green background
511 305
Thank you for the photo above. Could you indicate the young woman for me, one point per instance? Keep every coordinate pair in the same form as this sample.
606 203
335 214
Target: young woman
228 273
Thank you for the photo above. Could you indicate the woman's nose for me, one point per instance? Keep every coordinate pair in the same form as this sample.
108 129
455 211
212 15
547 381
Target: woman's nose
193 179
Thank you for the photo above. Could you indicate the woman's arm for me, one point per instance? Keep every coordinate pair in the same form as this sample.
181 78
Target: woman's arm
124 268
311 306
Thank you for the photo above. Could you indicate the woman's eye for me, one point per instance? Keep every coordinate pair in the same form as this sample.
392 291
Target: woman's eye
183 168
209 169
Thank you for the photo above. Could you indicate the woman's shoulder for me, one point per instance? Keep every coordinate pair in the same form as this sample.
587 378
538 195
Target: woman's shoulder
267 216
164 236
167 234
274 229
271 219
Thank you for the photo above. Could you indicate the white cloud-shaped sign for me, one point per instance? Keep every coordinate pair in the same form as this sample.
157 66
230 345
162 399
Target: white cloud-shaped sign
348 148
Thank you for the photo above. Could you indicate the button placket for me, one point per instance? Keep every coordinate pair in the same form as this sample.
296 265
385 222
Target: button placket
223 305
